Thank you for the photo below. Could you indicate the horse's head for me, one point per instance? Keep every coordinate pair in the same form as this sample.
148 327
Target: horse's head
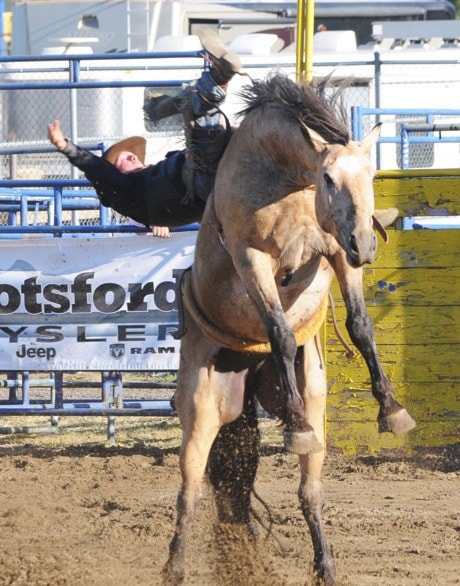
345 197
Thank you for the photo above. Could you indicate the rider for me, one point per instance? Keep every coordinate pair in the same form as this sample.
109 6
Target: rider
172 192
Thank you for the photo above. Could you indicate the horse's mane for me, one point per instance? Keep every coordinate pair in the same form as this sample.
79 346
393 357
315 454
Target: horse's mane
321 112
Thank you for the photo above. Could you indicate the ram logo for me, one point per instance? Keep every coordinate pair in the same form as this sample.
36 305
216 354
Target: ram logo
117 350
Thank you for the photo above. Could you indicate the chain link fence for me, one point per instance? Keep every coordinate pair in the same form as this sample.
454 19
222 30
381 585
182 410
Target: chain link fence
99 101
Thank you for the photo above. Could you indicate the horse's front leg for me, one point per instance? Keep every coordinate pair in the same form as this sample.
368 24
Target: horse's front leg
205 401
392 415
255 269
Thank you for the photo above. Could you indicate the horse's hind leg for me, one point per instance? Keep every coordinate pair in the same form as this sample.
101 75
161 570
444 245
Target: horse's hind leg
201 425
311 381
206 399
200 420
311 378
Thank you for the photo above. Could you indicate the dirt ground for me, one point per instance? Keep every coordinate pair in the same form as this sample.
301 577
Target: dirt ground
77 511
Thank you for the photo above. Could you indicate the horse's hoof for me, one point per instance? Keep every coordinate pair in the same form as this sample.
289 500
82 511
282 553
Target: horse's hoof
398 422
301 442
325 574
170 576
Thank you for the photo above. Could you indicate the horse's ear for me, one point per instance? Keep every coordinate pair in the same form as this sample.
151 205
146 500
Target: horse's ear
383 218
315 139
369 141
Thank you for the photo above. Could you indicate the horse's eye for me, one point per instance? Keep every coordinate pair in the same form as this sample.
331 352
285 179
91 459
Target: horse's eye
328 179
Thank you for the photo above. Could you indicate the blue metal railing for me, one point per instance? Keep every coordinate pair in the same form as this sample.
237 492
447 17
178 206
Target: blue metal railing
25 195
56 196
73 67
430 137
404 139
152 64
21 401
111 401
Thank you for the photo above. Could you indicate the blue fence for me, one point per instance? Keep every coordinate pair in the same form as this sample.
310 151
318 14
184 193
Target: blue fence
21 399
58 393
429 131
54 393
432 134
55 197
71 76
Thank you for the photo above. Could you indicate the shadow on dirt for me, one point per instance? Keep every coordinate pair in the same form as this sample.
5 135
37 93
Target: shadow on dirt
442 459
439 459
90 450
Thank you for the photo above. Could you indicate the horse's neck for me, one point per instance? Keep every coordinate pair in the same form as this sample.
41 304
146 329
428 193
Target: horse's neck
280 142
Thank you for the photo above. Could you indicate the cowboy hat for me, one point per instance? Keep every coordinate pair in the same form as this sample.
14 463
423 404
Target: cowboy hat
134 144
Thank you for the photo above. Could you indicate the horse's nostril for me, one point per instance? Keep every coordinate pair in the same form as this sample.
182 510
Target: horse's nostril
353 245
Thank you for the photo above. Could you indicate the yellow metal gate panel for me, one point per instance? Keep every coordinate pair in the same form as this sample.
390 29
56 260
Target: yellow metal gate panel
412 293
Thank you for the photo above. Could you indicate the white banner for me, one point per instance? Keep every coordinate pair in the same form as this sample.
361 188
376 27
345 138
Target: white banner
91 303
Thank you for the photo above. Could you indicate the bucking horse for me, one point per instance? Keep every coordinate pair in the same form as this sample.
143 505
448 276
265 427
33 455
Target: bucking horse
293 204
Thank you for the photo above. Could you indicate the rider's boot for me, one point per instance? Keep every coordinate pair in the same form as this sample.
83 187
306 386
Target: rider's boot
158 106
223 66
207 130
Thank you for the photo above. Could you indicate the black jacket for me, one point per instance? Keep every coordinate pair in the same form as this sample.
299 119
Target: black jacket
151 196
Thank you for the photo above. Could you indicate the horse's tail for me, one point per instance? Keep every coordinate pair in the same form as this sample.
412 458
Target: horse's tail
233 462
